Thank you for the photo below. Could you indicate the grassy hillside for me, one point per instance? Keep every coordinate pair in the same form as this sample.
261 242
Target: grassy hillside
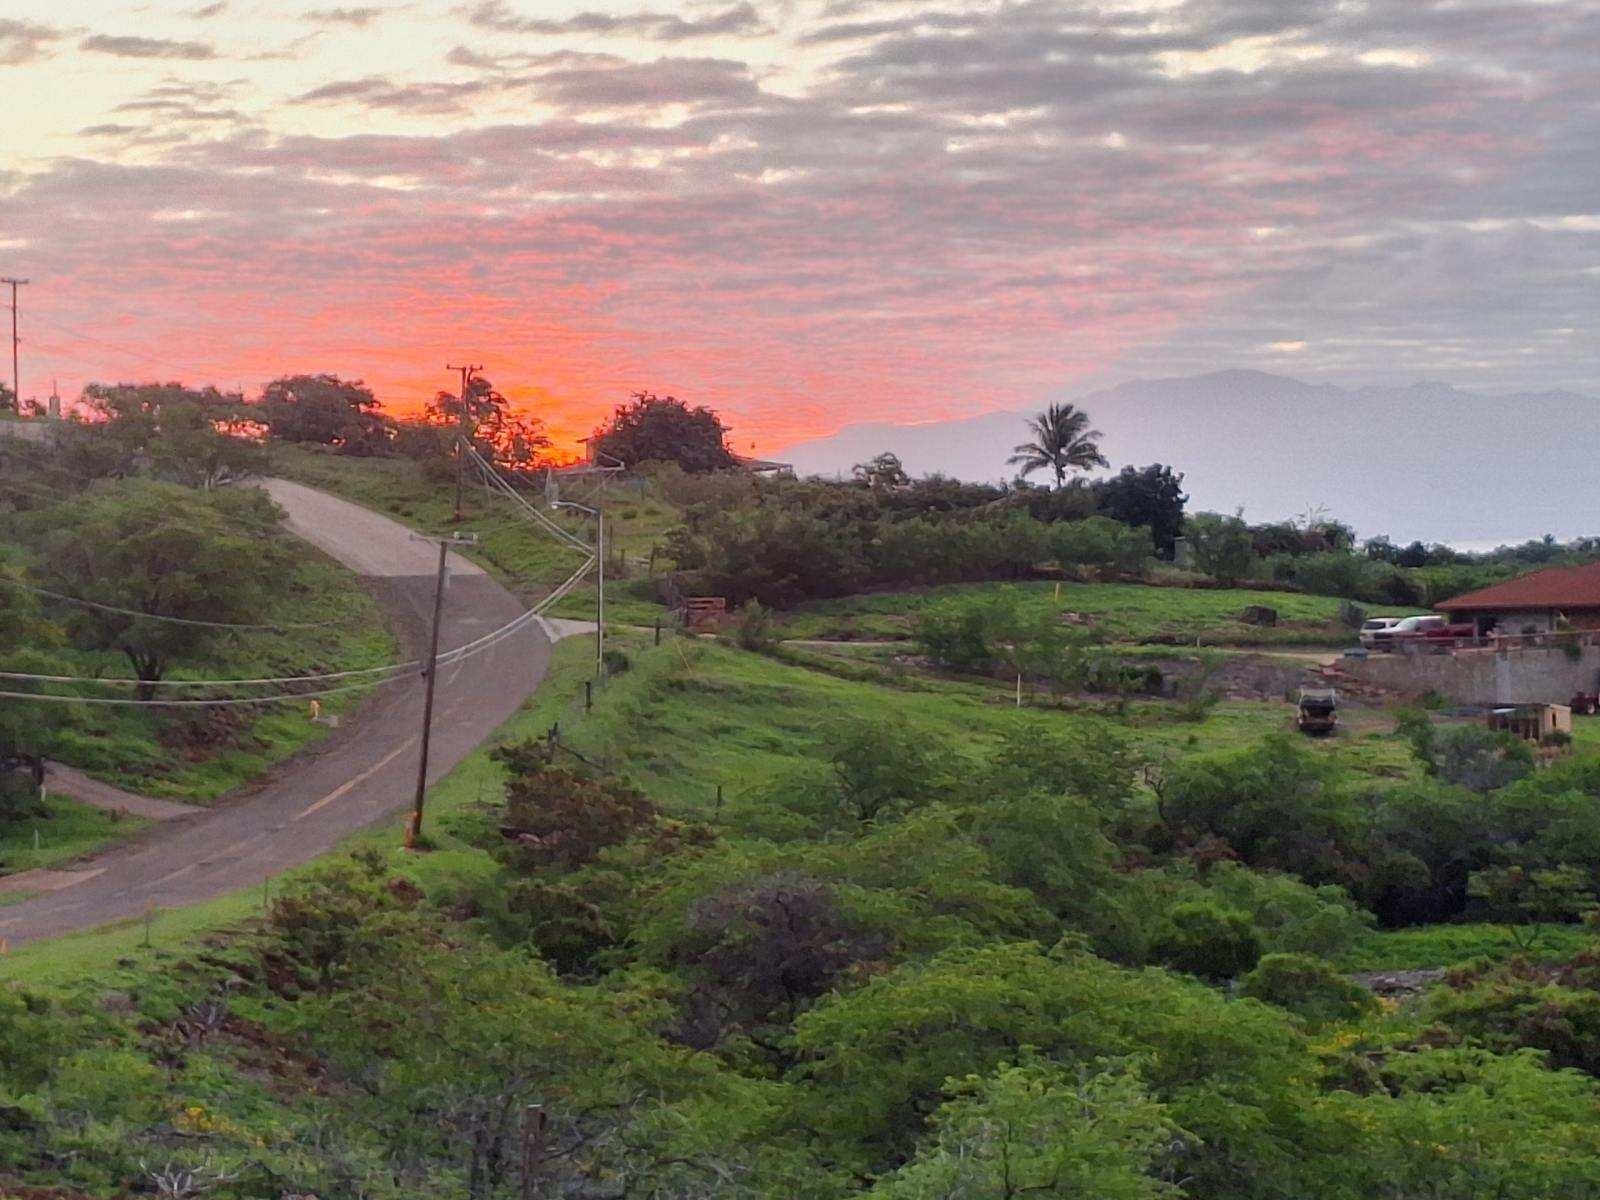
199 757
1123 612
281 1052
823 920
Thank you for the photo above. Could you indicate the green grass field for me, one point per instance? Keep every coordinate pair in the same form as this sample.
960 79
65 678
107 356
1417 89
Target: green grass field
1444 945
63 831
691 715
1122 612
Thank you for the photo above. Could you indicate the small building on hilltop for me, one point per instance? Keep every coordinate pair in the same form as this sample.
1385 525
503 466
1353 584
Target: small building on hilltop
1538 602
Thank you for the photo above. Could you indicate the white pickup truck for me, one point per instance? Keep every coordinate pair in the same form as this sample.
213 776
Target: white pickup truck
1384 638
1372 626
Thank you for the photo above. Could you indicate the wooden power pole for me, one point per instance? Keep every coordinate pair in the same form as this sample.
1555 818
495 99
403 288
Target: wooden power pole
414 828
462 437
16 375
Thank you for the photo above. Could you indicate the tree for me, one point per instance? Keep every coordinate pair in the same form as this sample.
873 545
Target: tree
1223 547
509 441
1273 802
1151 497
324 410
1037 1129
882 472
1100 542
1062 441
879 767
1308 987
562 817
769 945
1518 897
998 628
189 435
1479 759
25 727
165 551
878 1055
665 429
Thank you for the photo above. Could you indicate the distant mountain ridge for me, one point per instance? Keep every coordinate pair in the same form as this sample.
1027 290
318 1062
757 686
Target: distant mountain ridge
1423 461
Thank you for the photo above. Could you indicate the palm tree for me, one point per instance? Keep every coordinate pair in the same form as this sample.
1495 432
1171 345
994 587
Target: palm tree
1062 441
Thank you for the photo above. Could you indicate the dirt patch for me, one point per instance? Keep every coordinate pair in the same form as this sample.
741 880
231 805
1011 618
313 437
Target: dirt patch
1399 985
1237 676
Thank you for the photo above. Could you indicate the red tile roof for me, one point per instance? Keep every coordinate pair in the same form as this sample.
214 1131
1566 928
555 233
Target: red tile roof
1554 587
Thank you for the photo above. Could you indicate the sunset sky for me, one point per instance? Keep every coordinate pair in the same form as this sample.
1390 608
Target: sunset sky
805 213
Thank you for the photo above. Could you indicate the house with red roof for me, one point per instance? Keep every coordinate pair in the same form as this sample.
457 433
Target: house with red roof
1538 602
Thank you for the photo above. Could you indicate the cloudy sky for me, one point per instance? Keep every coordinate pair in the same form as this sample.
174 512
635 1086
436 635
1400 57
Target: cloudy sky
806 213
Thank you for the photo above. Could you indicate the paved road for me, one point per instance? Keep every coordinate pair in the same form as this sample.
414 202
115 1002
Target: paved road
361 773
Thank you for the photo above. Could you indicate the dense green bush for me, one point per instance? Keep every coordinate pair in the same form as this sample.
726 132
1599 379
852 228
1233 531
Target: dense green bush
1100 542
1204 940
1307 987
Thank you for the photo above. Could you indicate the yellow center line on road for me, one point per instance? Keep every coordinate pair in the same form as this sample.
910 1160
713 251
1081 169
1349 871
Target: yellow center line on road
344 788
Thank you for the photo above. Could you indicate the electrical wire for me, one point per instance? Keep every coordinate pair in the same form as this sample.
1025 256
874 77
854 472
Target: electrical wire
120 680
393 671
133 612
224 702
389 673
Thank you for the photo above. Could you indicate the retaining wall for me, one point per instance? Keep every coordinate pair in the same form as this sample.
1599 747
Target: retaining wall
1524 675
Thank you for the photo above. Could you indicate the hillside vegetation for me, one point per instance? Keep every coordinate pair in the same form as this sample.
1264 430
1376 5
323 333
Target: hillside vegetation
920 945
959 862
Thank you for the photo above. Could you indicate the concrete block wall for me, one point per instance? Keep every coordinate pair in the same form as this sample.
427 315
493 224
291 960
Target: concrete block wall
1531 675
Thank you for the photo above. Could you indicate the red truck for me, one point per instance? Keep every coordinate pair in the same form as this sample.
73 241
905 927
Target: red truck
1448 635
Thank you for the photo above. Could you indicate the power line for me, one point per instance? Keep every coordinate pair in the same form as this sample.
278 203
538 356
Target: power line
123 681
394 670
133 612
223 702
120 349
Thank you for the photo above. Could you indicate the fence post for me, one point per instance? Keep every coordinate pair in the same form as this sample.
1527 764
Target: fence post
588 694
658 631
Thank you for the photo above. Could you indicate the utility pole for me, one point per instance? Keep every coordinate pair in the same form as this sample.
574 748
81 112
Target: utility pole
414 830
461 432
16 376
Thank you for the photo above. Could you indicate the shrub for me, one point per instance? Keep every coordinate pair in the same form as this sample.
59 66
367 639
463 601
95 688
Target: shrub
1307 987
562 817
1100 542
755 631
1480 759
1207 941
320 925
1222 546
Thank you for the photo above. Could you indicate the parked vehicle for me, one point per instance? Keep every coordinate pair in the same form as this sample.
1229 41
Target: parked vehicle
1318 712
1407 627
1372 626
1446 635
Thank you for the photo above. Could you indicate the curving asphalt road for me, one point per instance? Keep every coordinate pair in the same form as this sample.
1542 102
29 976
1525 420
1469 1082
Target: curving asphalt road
361 773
